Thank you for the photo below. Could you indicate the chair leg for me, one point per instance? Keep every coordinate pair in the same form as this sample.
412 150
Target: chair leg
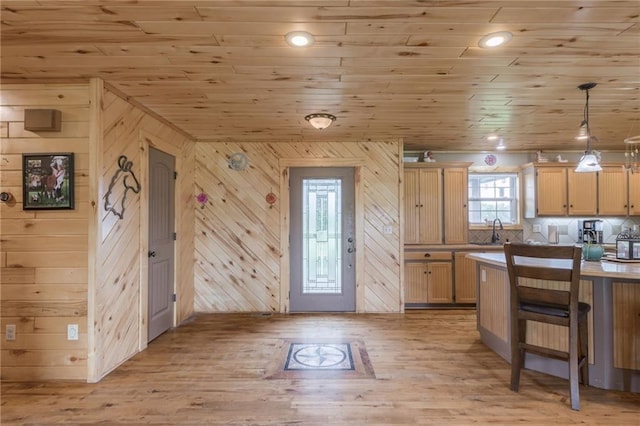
583 338
517 354
573 367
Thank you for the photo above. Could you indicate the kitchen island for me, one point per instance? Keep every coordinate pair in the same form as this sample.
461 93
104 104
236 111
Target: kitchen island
613 291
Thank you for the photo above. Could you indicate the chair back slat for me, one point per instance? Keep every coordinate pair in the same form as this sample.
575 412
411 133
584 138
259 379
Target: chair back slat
543 296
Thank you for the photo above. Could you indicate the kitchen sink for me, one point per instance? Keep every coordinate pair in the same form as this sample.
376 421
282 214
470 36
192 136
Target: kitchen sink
486 244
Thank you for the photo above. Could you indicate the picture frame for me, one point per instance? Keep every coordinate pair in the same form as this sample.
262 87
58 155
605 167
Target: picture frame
47 181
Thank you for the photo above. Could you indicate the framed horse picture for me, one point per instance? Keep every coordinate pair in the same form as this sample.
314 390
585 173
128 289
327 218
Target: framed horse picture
47 181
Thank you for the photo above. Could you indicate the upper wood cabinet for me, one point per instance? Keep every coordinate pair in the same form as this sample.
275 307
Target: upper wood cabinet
560 191
557 190
613 190
435 203
618 192
422 206
456 210
634 194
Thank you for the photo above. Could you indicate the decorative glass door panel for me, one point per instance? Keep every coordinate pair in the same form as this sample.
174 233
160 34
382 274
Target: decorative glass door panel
322 236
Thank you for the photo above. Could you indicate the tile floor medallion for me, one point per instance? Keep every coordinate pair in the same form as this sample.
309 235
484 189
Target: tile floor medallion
321 359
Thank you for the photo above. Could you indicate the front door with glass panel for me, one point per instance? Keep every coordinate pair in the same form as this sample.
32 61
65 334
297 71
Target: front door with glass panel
322 239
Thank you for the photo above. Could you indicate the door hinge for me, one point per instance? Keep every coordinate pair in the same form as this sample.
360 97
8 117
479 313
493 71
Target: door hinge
174 297
175 236
175 175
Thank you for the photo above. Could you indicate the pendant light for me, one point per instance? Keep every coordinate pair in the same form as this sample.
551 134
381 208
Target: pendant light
589 161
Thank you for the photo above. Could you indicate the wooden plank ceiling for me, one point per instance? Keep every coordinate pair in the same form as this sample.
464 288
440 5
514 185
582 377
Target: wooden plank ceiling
221 70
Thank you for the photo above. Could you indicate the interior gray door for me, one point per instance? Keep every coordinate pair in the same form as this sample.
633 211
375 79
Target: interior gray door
161 242
322 239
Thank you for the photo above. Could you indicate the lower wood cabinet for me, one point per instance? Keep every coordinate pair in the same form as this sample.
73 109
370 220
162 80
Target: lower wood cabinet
428 278
465 278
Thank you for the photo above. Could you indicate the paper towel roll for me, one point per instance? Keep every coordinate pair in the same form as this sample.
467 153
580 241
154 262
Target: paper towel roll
553 236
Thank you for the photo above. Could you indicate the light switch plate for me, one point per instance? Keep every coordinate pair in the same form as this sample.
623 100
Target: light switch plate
10 332
72 331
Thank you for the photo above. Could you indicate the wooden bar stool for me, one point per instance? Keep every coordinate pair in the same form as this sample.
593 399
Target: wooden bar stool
560 307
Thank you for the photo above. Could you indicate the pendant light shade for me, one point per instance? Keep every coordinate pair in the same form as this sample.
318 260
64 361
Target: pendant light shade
589 161
320 120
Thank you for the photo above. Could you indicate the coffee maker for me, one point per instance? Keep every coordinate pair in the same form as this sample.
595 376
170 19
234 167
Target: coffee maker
590 231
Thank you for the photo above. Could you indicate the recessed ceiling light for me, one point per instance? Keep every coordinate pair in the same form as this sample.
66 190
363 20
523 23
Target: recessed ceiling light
299 39
495 39
492 137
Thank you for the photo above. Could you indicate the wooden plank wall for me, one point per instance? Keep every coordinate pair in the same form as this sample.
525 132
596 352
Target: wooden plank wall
237 244
626 325
43 254
120 302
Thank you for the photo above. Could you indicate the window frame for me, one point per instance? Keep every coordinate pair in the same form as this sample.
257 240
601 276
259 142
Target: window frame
514 201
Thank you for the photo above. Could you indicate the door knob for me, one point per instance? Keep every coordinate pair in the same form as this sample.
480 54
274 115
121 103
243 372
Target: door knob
152 254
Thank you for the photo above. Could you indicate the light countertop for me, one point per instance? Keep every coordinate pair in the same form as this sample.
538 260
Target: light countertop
604 268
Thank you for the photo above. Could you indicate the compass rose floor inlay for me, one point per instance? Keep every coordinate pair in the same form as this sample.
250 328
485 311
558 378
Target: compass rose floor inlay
321 359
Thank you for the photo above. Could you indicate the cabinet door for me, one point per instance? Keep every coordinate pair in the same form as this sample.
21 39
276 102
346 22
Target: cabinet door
456 195
440 289
581 193
634 194
465 279
412 206
431 210
612 191
551 191
415 282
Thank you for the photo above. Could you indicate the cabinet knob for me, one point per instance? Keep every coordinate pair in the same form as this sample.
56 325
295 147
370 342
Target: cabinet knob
427 255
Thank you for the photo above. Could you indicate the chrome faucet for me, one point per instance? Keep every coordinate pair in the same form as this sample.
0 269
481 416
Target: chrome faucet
495 236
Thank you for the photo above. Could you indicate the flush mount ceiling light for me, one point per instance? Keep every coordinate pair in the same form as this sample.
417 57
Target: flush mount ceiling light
299 39
495 39
320 120
589 161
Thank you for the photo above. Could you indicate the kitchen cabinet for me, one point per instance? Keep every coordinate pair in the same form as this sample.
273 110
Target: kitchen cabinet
613 190
435 203
557 190
428 278
634 194
422 206
465 278
456 196
618 192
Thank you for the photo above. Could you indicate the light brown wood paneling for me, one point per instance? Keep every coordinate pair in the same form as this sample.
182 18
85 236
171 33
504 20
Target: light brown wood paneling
613 186
493 294
43 252
222 71
238 234
626 326
120 285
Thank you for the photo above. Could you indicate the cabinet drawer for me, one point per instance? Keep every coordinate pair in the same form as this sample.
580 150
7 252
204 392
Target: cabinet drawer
427 255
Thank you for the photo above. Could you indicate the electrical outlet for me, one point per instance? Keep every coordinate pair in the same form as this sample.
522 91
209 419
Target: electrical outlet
537 227
387 229
72 331
10 332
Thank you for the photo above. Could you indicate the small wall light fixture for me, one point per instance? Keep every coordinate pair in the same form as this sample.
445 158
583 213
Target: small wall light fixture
320 120
299 39
495 39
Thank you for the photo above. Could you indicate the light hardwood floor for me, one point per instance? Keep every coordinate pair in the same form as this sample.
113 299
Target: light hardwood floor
430 368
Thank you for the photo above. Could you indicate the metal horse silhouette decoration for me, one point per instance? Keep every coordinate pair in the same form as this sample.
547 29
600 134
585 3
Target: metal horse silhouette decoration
124 169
